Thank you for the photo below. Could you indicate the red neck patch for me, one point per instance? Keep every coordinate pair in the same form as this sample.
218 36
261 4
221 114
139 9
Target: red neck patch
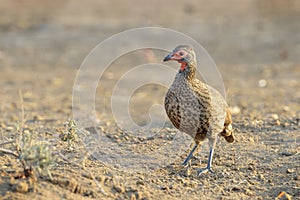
183 66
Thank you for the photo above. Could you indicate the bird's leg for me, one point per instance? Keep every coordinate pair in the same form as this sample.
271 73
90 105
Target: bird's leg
190 155
208 167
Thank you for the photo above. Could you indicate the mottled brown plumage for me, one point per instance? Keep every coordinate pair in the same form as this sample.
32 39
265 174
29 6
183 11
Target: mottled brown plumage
194 107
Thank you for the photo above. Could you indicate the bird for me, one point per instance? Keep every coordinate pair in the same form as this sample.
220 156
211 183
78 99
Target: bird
196 108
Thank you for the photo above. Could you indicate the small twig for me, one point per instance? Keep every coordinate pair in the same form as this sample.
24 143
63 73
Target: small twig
7 142
22 112
7 151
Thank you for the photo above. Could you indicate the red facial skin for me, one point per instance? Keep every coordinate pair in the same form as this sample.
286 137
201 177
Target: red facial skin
178 57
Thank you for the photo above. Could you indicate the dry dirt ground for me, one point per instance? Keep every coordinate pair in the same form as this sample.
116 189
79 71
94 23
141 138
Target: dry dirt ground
256 48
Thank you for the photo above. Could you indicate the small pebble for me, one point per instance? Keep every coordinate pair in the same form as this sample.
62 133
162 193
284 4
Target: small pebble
262 83
248 192
119 189
251 140
9 128
289 171
235 110
169 130
283 196
38 118
2 125
286 124
188 172
140 182
272 116
22 187
287 154
286 108
261 177
132 197
164 187
277 122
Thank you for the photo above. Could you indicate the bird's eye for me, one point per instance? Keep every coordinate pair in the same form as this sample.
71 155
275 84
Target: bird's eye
181 53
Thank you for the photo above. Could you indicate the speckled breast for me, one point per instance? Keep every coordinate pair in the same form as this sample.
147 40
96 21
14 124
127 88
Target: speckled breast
184 109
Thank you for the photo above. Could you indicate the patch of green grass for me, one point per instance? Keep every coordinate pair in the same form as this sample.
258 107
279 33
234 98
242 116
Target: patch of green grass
35 155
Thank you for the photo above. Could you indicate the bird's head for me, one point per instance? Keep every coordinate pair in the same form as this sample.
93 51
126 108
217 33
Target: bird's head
185 55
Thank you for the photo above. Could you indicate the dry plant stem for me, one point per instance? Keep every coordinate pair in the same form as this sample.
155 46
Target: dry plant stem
2 135
21 130
22 111
7 142
83 167
7 151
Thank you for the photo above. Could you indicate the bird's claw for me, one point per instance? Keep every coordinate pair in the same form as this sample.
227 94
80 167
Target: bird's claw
205 170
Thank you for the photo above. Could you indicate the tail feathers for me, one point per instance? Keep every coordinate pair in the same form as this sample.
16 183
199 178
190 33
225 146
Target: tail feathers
227 132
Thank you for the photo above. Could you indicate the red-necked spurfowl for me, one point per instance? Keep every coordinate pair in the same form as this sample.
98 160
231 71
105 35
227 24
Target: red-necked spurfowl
196 108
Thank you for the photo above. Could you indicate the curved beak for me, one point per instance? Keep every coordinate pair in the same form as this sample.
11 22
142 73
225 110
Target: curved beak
168 57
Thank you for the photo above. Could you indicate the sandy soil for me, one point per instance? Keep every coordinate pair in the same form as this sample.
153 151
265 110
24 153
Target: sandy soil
256 48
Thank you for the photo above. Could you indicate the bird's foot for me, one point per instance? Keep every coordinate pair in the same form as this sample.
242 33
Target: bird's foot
205 170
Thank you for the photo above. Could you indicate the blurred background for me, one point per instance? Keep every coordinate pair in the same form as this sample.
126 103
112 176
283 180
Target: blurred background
52 34
255 44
